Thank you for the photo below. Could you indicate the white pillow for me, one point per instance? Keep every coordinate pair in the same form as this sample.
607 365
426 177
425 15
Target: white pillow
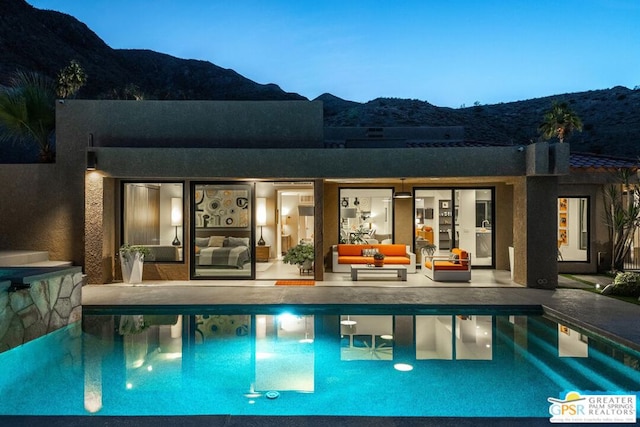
216 241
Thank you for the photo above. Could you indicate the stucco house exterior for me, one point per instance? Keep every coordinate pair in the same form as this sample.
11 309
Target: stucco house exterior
222 174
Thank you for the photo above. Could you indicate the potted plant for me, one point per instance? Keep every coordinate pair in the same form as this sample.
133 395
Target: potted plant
378 259
302 254
357 236
429 249
132 262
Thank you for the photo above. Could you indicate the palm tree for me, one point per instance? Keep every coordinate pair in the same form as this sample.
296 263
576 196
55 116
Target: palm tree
560 121
27 111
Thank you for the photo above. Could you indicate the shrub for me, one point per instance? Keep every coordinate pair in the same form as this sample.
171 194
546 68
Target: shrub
299 254
626 284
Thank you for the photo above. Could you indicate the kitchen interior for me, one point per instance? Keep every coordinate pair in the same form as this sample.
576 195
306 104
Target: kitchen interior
457 218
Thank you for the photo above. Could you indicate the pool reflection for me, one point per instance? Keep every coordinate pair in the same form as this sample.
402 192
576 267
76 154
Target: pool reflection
239 359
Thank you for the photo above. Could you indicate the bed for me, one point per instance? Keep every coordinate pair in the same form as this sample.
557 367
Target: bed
226 252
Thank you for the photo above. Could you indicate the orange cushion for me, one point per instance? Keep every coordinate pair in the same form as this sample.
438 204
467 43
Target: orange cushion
351 250
445 265
462 254
392 249
350 259
355 259
397 260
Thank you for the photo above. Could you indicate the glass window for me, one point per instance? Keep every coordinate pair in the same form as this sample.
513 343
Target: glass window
366 215
153 217
222 245
573 228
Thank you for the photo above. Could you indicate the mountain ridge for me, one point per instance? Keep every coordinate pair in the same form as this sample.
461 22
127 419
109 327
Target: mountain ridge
45 41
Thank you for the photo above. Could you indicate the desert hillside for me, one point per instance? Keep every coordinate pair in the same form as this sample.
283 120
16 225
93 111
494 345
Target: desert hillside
45 41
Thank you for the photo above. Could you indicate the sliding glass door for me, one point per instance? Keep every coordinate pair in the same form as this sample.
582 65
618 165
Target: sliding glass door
449 218
223 241
474 224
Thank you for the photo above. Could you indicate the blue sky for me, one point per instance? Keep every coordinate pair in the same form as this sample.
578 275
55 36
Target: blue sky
446 52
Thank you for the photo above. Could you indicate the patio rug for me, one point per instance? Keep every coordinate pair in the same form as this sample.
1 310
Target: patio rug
295 282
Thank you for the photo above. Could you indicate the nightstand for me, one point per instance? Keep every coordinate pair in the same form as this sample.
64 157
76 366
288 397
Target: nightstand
262 253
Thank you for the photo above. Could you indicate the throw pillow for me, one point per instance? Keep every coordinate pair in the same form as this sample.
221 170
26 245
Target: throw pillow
202 241
216 241
233 242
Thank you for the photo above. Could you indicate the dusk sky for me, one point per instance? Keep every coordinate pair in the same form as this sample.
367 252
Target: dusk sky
448 53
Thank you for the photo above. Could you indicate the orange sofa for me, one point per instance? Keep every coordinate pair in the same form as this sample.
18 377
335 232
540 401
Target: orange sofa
453 268
344 254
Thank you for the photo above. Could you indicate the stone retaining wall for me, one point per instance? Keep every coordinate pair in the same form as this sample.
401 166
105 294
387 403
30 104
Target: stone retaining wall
46 305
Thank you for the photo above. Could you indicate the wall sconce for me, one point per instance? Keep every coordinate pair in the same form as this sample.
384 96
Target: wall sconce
176 217
92 161
261 217
365 215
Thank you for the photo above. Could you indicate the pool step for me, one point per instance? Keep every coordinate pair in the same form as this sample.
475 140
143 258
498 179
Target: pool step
29 258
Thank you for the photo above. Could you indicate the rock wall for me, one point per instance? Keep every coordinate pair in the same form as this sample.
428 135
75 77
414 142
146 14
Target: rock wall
46 305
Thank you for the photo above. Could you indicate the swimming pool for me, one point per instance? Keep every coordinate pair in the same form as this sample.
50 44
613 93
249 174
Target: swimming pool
313 361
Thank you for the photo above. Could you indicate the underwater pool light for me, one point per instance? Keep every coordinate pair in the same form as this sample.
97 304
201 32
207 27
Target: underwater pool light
403 367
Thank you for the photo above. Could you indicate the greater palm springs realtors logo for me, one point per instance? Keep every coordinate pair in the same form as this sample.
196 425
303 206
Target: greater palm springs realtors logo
593 408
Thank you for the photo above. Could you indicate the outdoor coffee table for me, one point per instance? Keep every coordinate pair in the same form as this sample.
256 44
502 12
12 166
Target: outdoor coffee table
401 270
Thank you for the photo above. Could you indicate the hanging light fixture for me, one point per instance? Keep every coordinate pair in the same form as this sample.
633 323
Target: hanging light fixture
402 194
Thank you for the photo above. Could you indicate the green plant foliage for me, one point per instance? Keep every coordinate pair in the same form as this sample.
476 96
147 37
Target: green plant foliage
429 248
127 250
626 284
621 215
70 79
27 112
357 236
560 121
299 254
378 255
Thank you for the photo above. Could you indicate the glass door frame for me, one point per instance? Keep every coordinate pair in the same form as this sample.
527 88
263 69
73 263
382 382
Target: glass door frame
243 231
451 208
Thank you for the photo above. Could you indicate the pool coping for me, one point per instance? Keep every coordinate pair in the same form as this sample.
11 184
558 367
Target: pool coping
276 421
37 273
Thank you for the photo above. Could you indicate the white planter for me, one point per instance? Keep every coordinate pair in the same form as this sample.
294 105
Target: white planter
132 267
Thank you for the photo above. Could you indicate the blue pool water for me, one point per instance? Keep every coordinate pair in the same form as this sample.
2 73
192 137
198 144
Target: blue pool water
319 361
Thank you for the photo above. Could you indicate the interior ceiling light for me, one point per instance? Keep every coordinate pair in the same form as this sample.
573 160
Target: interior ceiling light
402 194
